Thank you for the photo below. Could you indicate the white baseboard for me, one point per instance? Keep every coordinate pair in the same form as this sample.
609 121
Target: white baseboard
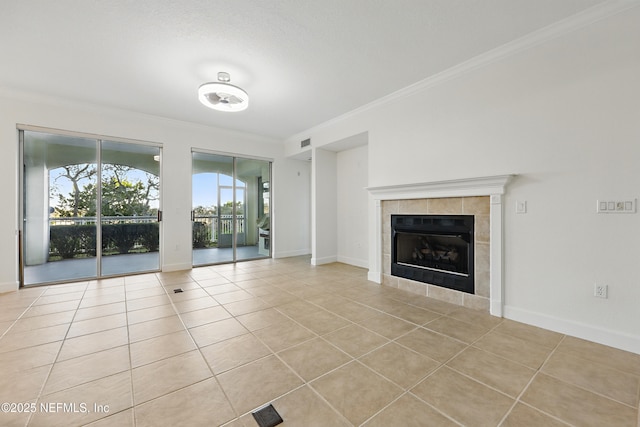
176 267
374 276
289 254
324 260
364 263
9 287
620 340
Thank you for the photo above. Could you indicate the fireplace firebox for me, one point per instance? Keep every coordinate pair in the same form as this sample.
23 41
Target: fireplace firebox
434 249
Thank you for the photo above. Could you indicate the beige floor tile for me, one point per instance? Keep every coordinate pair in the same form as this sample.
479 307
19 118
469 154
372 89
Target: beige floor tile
168 375
404 367
431 344
121 419
83 369
102 300
65 289
207 315
430 304
162 347
36 322
355 340
463 399
4 326
22 386
71 296
141 285
507 376
93 343
283 335
577 406
223 287
144 293
187 294
304 407
235 296
462 331
195 304
140 303
27 358
416 315
322 322
217 281
18 340
475 317
515 349
525 416
100 311
152 313
602 354
141 278
201 404
99 292
387 326
314 358
408 411
18 419
221 330
530 333
100 398
297 308
261 319
155 328
246 306
257 383
234 352
90 326
356 392
41 310
278 299
601 379
353 311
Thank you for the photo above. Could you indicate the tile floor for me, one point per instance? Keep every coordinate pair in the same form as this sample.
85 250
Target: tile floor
325 346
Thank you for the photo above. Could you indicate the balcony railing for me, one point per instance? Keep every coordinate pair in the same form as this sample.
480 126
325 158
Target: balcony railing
216 226
88 220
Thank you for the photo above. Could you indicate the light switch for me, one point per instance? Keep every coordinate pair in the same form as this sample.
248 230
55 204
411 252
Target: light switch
521 206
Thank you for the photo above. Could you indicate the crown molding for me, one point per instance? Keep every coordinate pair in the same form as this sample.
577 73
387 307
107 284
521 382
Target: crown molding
543 35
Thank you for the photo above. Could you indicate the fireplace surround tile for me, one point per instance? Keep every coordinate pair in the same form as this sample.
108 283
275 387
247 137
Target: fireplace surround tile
479 206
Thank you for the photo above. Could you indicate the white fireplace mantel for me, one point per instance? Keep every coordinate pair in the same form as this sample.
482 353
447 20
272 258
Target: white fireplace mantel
493 186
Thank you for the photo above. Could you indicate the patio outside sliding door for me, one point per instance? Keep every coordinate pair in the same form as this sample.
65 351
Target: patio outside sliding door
59 189
90 208
129 224
228 208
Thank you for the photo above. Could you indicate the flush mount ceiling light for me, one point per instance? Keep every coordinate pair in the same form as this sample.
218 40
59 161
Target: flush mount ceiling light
223 96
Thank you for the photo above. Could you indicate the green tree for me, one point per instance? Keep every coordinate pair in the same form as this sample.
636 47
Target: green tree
120 196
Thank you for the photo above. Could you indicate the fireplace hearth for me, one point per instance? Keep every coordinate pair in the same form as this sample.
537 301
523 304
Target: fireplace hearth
434 249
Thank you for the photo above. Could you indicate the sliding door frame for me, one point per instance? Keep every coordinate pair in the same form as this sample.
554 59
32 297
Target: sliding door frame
235 157
99 140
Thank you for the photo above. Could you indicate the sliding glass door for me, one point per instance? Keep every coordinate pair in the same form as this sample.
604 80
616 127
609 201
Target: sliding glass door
90 208
230 218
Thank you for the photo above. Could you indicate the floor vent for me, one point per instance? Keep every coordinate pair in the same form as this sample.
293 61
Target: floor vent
177 291
267 416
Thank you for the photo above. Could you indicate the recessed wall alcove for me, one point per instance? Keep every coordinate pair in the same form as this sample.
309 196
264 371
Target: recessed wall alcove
481 197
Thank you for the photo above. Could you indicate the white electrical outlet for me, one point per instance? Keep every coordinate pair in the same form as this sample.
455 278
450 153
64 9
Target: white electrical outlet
601 291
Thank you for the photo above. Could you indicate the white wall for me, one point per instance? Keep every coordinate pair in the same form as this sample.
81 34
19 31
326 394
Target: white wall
564 116
352 206
324 217
177 138
293 210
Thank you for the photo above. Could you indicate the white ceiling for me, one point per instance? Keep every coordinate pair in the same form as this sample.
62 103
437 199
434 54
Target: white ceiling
302 62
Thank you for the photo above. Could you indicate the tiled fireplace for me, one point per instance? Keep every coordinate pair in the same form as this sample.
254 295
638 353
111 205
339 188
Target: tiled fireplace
480 198
478 207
